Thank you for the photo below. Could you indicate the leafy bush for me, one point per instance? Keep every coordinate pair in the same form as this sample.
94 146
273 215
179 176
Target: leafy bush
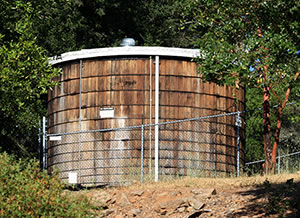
25 191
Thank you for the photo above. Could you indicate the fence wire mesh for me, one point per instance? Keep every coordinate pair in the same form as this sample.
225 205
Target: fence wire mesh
199 147
205 147
99 157
286 163
289 143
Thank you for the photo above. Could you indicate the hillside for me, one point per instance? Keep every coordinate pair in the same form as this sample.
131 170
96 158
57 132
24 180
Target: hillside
260 196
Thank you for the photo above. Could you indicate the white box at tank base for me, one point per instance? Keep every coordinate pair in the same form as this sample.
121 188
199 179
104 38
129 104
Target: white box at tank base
73 178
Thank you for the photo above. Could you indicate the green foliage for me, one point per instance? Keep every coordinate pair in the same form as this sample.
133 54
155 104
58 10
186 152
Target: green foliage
290 138
230 41
62 25
54 22
158 25
251 44
253 127
25 76
59 27
25 191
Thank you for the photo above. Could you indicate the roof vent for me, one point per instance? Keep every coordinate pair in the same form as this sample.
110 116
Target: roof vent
127 42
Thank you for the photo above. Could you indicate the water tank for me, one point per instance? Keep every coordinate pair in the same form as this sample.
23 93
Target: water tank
114 88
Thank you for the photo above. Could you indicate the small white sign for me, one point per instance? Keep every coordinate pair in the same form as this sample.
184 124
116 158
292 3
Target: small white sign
55 138
73 178
107 112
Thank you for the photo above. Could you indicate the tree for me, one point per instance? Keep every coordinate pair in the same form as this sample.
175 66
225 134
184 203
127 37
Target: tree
62 25
25 76
250 44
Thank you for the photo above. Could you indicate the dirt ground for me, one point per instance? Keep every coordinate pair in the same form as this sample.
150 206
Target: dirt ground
259 196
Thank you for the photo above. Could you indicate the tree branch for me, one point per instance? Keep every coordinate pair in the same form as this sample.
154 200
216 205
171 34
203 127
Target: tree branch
270 86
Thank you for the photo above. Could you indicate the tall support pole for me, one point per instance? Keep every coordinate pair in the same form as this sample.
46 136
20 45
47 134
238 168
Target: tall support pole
150 121
156 117
44 144
238 124
80 127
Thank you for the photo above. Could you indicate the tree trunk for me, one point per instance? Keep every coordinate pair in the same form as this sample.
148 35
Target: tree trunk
276 142
267 131
278 126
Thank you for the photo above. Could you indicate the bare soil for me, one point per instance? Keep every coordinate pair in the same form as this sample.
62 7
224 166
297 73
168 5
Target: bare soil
259 196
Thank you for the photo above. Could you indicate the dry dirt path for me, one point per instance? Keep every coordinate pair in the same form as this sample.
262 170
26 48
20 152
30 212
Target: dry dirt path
259 196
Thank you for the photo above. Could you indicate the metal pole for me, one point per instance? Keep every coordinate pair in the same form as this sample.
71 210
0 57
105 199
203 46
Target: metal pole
142 154
80 128
238 123
215 166
39 142
150 117
156 116
278 160
44 144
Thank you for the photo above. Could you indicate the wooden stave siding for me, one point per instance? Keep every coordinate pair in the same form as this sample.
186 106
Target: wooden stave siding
124 85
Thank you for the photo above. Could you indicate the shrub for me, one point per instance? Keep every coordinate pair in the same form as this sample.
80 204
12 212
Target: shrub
25 191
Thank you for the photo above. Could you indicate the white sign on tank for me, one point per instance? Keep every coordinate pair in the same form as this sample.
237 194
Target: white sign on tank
107 112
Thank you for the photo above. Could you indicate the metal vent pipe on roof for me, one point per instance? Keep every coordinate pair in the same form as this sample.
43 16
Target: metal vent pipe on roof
127 42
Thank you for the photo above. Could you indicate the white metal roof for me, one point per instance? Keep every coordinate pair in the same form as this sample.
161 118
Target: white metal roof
125 51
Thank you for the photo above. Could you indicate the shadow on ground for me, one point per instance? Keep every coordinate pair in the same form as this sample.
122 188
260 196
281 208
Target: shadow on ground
281 200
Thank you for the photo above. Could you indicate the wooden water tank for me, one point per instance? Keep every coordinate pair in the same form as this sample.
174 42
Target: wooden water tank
114 88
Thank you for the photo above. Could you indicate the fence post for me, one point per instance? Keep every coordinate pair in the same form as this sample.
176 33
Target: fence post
44 144
142 154
39 143
278 160
156 160
238 124
80 123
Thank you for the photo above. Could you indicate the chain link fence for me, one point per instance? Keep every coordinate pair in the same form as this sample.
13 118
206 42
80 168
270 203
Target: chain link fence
207 146
289 144
286 163
198 147
109 156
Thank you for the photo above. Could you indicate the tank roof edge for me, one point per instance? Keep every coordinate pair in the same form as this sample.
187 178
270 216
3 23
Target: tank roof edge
124 51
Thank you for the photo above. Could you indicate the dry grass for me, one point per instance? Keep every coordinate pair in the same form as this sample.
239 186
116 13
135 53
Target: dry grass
243 181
